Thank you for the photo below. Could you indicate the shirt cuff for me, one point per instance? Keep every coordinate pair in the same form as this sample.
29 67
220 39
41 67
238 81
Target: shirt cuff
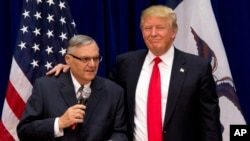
58 132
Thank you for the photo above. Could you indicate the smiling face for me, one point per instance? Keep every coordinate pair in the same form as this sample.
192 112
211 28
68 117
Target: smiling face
159 28
83 61
158 34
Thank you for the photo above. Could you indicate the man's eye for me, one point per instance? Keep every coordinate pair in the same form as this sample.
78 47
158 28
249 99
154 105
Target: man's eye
86 59
147 28
96 58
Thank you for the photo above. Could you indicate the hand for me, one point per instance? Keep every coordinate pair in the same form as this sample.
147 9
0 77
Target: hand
74 114
57 69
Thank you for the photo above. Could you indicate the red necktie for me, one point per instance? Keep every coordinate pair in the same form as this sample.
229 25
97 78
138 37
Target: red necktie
154 119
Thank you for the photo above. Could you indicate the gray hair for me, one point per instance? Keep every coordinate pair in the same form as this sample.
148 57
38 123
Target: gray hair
79 40
160 11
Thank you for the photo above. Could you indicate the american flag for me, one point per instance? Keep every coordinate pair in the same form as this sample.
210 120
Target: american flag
45 27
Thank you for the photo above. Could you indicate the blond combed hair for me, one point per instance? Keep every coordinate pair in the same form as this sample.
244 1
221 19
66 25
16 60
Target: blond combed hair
160 11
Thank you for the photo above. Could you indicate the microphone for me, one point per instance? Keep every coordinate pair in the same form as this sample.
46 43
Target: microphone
83 98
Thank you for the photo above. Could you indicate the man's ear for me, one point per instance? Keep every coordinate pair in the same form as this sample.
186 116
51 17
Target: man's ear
67 58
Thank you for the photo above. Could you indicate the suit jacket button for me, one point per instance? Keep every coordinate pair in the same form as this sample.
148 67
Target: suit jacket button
164 131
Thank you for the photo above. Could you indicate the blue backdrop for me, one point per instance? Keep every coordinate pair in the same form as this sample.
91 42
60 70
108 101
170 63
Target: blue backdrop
115 26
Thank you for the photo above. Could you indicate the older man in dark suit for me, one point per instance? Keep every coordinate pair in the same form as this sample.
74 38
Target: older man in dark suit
52 112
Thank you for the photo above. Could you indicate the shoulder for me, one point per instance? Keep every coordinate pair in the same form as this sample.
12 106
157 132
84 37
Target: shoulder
190 58
125 59
52 80
107 83
132 54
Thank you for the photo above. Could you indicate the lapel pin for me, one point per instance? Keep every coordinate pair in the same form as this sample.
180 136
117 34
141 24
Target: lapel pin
182 70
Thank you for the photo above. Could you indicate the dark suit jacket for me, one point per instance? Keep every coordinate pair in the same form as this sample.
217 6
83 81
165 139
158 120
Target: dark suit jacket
192 112
51 96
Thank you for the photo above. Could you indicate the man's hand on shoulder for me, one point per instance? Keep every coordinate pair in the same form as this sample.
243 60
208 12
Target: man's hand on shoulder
57 69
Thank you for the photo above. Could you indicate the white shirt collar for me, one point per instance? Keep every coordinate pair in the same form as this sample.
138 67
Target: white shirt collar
167 57
76 84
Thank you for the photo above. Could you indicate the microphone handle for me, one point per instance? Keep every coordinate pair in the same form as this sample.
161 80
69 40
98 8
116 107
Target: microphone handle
81 101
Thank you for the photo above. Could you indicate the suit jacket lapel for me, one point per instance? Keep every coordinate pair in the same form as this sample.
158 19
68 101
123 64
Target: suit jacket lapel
67 89
95 96
179 71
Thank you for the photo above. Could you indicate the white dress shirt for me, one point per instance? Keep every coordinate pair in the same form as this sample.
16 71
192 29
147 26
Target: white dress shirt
140 117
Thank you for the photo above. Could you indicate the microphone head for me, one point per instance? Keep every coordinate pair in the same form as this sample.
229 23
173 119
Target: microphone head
86 92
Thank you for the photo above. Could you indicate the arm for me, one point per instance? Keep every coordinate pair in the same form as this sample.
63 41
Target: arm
32 126
210 112
38 120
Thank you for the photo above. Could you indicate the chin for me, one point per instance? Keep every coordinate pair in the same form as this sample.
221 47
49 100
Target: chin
91 76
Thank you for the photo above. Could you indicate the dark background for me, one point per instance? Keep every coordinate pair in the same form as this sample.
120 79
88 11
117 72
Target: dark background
115 26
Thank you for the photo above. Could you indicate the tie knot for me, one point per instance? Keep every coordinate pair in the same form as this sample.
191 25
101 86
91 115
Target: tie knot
157 60
81 88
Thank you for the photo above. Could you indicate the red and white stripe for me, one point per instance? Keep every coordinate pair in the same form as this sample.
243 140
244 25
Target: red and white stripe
18 91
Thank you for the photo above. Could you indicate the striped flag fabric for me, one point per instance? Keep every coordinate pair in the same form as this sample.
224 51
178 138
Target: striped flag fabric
198 33
45 27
